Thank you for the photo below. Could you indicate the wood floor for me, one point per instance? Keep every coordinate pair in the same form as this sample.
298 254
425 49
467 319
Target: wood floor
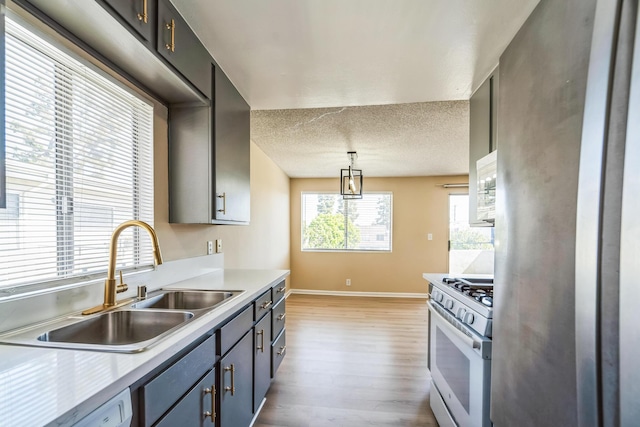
352 362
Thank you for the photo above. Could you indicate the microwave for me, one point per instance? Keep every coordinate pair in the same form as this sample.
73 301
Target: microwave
486 200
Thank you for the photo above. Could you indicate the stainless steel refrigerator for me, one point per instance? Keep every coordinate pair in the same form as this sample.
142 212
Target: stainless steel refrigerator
566 337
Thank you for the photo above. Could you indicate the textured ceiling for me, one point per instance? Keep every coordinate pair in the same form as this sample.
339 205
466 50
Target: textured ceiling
419 139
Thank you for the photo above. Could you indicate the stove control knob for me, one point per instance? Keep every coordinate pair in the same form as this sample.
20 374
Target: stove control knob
469 318
461 313
449 304
438 296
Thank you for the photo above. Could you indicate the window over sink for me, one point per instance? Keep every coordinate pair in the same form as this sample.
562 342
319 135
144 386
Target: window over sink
79 161
331 223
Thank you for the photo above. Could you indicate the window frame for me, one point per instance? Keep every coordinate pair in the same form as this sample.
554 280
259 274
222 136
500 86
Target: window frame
346 250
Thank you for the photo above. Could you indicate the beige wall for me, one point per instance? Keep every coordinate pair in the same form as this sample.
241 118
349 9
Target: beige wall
264 244
420 206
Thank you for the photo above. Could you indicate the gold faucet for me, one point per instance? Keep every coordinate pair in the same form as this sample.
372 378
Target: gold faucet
110 287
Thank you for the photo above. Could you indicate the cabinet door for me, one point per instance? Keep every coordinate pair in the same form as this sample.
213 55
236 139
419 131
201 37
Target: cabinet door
480 137
180 46
278 351
231 154
196 408
162 392
236 385
262 360
140 15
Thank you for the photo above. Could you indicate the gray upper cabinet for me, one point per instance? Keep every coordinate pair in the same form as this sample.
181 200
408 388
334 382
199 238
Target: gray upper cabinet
231 156
182 49
483 116
139 15
209 176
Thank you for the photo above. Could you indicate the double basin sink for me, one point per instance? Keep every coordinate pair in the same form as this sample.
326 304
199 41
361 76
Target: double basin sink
129 329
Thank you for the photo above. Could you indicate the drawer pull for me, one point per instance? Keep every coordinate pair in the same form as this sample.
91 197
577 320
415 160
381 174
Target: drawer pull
261 346
266 304
282 316
232 369
223 196
172 28
143 16
282 350
211 414
281 289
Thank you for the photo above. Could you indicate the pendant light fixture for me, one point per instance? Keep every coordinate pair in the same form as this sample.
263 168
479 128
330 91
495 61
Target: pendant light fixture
351 179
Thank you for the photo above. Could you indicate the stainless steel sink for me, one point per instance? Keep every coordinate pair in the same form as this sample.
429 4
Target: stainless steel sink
130 329
185 299
118 328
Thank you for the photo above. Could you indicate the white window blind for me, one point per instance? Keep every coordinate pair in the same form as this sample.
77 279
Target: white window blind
330 223
78 163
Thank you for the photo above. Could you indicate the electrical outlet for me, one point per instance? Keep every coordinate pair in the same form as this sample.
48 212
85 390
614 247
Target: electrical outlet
209 247
348 282
218 246
429 236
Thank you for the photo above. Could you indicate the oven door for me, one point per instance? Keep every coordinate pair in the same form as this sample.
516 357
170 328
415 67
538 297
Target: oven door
460 368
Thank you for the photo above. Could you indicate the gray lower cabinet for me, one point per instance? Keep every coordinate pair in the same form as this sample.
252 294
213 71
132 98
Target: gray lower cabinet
278 351
236 384
139 15
195 409
261 360
162 392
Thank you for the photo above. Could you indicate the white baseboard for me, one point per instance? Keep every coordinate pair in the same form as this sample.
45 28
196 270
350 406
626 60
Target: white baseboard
358 294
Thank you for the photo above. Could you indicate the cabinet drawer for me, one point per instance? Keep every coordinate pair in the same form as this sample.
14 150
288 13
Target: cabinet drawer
278 319
180 47
263 305
235 329
196 408
278 351
159 394
277 292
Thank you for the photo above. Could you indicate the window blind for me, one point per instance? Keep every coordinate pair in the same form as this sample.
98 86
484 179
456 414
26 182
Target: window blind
330 223
78 162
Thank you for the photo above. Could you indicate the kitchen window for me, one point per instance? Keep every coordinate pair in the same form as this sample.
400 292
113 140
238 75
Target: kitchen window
330 223
78 162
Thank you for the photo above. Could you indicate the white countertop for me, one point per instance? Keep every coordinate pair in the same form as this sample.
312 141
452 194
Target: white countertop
45 386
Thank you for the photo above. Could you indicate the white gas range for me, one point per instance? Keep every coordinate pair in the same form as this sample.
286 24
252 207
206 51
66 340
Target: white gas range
460 334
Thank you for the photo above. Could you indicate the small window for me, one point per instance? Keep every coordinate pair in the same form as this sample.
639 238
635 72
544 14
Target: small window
79 161
330 223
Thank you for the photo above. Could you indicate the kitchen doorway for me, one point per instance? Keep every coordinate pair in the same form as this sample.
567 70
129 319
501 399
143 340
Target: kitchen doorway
470 248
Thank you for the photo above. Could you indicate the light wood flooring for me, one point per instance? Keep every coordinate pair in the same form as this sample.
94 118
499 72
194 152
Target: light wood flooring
352 362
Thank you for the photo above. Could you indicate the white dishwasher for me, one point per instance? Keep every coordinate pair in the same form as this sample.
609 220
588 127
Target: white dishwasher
117 412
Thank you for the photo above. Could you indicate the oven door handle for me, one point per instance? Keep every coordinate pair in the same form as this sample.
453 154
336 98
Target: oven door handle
469 341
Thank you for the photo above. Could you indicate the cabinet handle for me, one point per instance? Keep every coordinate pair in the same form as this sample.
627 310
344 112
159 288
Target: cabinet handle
282 350
266 304
172 28
211 414
223 196
143 16
232 389
261 346
282 316
281 289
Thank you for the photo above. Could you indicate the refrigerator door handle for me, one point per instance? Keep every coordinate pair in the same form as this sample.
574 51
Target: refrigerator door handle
630 253
589 212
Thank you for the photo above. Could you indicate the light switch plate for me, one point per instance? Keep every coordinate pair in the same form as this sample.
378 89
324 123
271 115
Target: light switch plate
218 246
